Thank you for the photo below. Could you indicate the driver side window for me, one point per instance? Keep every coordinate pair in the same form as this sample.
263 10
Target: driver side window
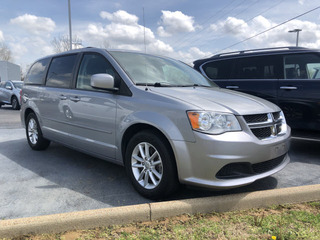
92 64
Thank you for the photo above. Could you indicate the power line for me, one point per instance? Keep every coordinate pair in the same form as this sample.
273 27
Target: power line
269 29
203 22
184 38
199 37
250 19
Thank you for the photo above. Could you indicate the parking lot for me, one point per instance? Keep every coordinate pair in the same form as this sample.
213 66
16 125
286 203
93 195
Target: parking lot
61 180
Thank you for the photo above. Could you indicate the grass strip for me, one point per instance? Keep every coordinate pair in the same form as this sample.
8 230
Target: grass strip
297 221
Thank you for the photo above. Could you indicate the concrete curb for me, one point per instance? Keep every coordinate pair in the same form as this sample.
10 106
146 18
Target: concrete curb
147 212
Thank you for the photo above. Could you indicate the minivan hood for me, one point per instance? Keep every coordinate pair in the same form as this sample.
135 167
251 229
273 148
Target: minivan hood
217 99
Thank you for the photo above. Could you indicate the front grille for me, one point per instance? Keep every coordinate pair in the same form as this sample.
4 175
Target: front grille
264 126
245 169
262 133
256 118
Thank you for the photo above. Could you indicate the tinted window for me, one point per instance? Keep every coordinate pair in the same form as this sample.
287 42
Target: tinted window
218 69
93 64
266 67
60 71
302 66
36 73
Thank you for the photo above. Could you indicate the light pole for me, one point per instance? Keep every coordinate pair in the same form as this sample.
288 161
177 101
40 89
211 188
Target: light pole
297 31
70 31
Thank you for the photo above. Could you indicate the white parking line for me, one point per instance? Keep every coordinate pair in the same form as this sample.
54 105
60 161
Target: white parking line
306 139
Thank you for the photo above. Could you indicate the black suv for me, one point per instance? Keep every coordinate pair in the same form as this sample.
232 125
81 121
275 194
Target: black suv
288 77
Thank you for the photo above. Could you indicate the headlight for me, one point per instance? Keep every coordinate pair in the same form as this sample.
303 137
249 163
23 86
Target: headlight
213 122
283 128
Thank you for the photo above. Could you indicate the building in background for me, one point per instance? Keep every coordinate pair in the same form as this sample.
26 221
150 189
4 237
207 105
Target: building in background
9 71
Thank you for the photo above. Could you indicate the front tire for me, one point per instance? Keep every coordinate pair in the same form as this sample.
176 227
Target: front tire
150 165
34 134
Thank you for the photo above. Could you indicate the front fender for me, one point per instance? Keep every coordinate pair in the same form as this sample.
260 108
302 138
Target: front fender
174 128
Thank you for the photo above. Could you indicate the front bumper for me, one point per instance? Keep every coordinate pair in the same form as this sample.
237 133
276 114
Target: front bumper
201 163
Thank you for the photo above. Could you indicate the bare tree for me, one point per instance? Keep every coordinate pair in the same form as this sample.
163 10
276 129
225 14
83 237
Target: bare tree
5 52
62 43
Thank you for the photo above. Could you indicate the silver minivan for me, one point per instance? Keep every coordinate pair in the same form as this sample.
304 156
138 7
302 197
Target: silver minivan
161 119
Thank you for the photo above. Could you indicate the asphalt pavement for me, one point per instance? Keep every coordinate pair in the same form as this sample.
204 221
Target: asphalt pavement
59 180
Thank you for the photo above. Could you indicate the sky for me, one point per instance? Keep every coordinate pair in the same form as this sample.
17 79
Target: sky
183 29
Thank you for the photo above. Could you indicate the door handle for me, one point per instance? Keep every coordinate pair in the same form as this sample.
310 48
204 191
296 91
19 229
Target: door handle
62 97
75 99
288 88
232 87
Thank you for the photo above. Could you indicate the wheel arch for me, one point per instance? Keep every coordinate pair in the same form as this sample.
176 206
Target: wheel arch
26 114
138 127
12 96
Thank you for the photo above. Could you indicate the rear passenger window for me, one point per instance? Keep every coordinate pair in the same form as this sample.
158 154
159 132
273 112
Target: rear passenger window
266 67
302 66
92 64
218 69
60 71
37 72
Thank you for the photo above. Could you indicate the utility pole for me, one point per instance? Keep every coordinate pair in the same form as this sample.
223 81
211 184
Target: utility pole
297 31
144 32
70 30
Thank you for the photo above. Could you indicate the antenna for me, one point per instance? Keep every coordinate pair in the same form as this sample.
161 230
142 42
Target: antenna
70 30
144 32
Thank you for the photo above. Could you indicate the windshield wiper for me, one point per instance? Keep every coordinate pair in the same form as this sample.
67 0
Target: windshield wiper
156 84
163 84
194 85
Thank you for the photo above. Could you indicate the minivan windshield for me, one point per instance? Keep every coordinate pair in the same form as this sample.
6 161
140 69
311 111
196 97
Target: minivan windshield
156 71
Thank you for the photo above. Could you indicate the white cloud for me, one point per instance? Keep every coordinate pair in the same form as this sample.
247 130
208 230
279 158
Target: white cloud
159 47
191 55
18 50
27 49
34 24
162 33
121 17
123 32
175 22
231 25
277 37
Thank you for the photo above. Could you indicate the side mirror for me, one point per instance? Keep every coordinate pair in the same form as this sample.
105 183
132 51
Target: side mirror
103 81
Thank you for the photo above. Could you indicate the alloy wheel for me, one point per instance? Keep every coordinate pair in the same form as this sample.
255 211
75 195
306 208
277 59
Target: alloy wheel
146 165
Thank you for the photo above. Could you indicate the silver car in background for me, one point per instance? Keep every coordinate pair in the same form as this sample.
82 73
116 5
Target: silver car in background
10 93
161 119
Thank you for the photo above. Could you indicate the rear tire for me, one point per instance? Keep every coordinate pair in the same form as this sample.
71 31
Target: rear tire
34 134
151 166
15 103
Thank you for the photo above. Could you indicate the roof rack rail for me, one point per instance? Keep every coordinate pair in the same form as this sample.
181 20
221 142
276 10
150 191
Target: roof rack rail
257 50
